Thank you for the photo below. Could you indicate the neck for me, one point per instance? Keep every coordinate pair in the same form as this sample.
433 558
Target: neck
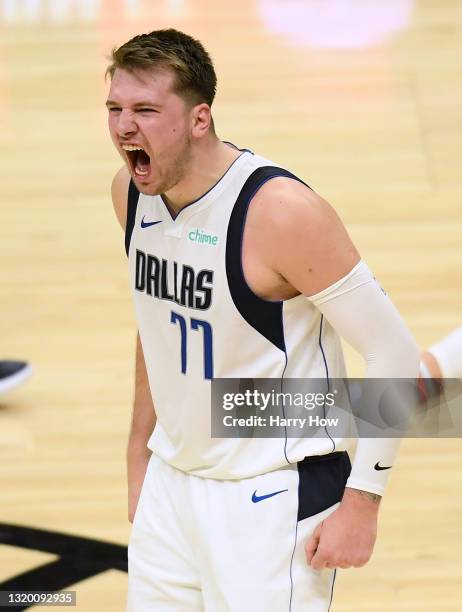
206 167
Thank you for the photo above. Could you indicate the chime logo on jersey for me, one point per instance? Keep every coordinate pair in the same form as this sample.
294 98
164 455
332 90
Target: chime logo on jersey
201 237
169 280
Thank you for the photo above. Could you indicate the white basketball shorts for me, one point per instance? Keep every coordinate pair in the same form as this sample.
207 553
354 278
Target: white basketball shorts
205 545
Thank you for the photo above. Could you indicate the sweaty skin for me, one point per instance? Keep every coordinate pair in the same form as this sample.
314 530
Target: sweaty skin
293 243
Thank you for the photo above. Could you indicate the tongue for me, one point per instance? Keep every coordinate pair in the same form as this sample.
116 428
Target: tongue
143 163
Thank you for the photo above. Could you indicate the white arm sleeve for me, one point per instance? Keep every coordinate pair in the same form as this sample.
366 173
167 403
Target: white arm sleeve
361 312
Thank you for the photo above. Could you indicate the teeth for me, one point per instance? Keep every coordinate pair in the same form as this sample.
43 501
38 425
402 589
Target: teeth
141 172
131 148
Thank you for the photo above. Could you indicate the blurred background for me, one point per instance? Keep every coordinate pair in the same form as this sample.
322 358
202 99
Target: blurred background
361 99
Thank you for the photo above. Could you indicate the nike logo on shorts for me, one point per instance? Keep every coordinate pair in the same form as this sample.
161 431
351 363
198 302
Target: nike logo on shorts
257 498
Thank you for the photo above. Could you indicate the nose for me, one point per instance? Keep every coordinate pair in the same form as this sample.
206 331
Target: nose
126 124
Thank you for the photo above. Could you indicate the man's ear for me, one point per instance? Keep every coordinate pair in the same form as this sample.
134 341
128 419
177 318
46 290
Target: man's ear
201 120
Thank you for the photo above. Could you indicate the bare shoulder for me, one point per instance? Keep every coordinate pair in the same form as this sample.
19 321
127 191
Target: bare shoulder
286 204
119 192
299 235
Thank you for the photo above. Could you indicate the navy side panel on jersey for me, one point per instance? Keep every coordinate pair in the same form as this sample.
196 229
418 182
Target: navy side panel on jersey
263 315
132 203
322 482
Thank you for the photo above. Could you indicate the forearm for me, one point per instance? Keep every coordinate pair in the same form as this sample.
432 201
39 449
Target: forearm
373 498
360 312
142 426
138 456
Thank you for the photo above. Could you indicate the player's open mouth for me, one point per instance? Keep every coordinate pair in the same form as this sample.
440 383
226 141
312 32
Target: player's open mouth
139 160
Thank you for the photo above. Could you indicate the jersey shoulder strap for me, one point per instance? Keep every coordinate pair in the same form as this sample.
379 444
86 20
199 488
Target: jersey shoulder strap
132 204
263 315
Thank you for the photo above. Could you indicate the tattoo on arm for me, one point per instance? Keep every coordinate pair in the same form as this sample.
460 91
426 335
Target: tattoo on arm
372 496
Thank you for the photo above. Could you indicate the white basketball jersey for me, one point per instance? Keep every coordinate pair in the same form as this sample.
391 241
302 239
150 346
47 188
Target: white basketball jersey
199 320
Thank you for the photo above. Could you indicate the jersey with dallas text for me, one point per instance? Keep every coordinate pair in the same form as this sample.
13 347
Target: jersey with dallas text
199 320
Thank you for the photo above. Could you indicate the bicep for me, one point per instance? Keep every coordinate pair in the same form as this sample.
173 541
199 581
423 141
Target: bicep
144 416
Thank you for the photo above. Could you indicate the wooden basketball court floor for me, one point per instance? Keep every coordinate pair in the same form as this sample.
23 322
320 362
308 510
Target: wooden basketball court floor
360 98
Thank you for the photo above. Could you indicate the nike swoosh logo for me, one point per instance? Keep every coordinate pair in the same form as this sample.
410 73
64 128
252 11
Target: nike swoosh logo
378 467
257 498
148 223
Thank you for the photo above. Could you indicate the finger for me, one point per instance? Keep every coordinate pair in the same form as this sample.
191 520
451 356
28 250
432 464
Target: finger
312 544
319 561
331 566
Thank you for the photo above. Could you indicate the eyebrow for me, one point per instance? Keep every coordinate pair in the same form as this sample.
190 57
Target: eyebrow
137 105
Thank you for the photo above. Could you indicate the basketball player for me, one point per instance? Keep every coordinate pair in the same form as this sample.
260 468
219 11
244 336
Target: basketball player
238 269
13 373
